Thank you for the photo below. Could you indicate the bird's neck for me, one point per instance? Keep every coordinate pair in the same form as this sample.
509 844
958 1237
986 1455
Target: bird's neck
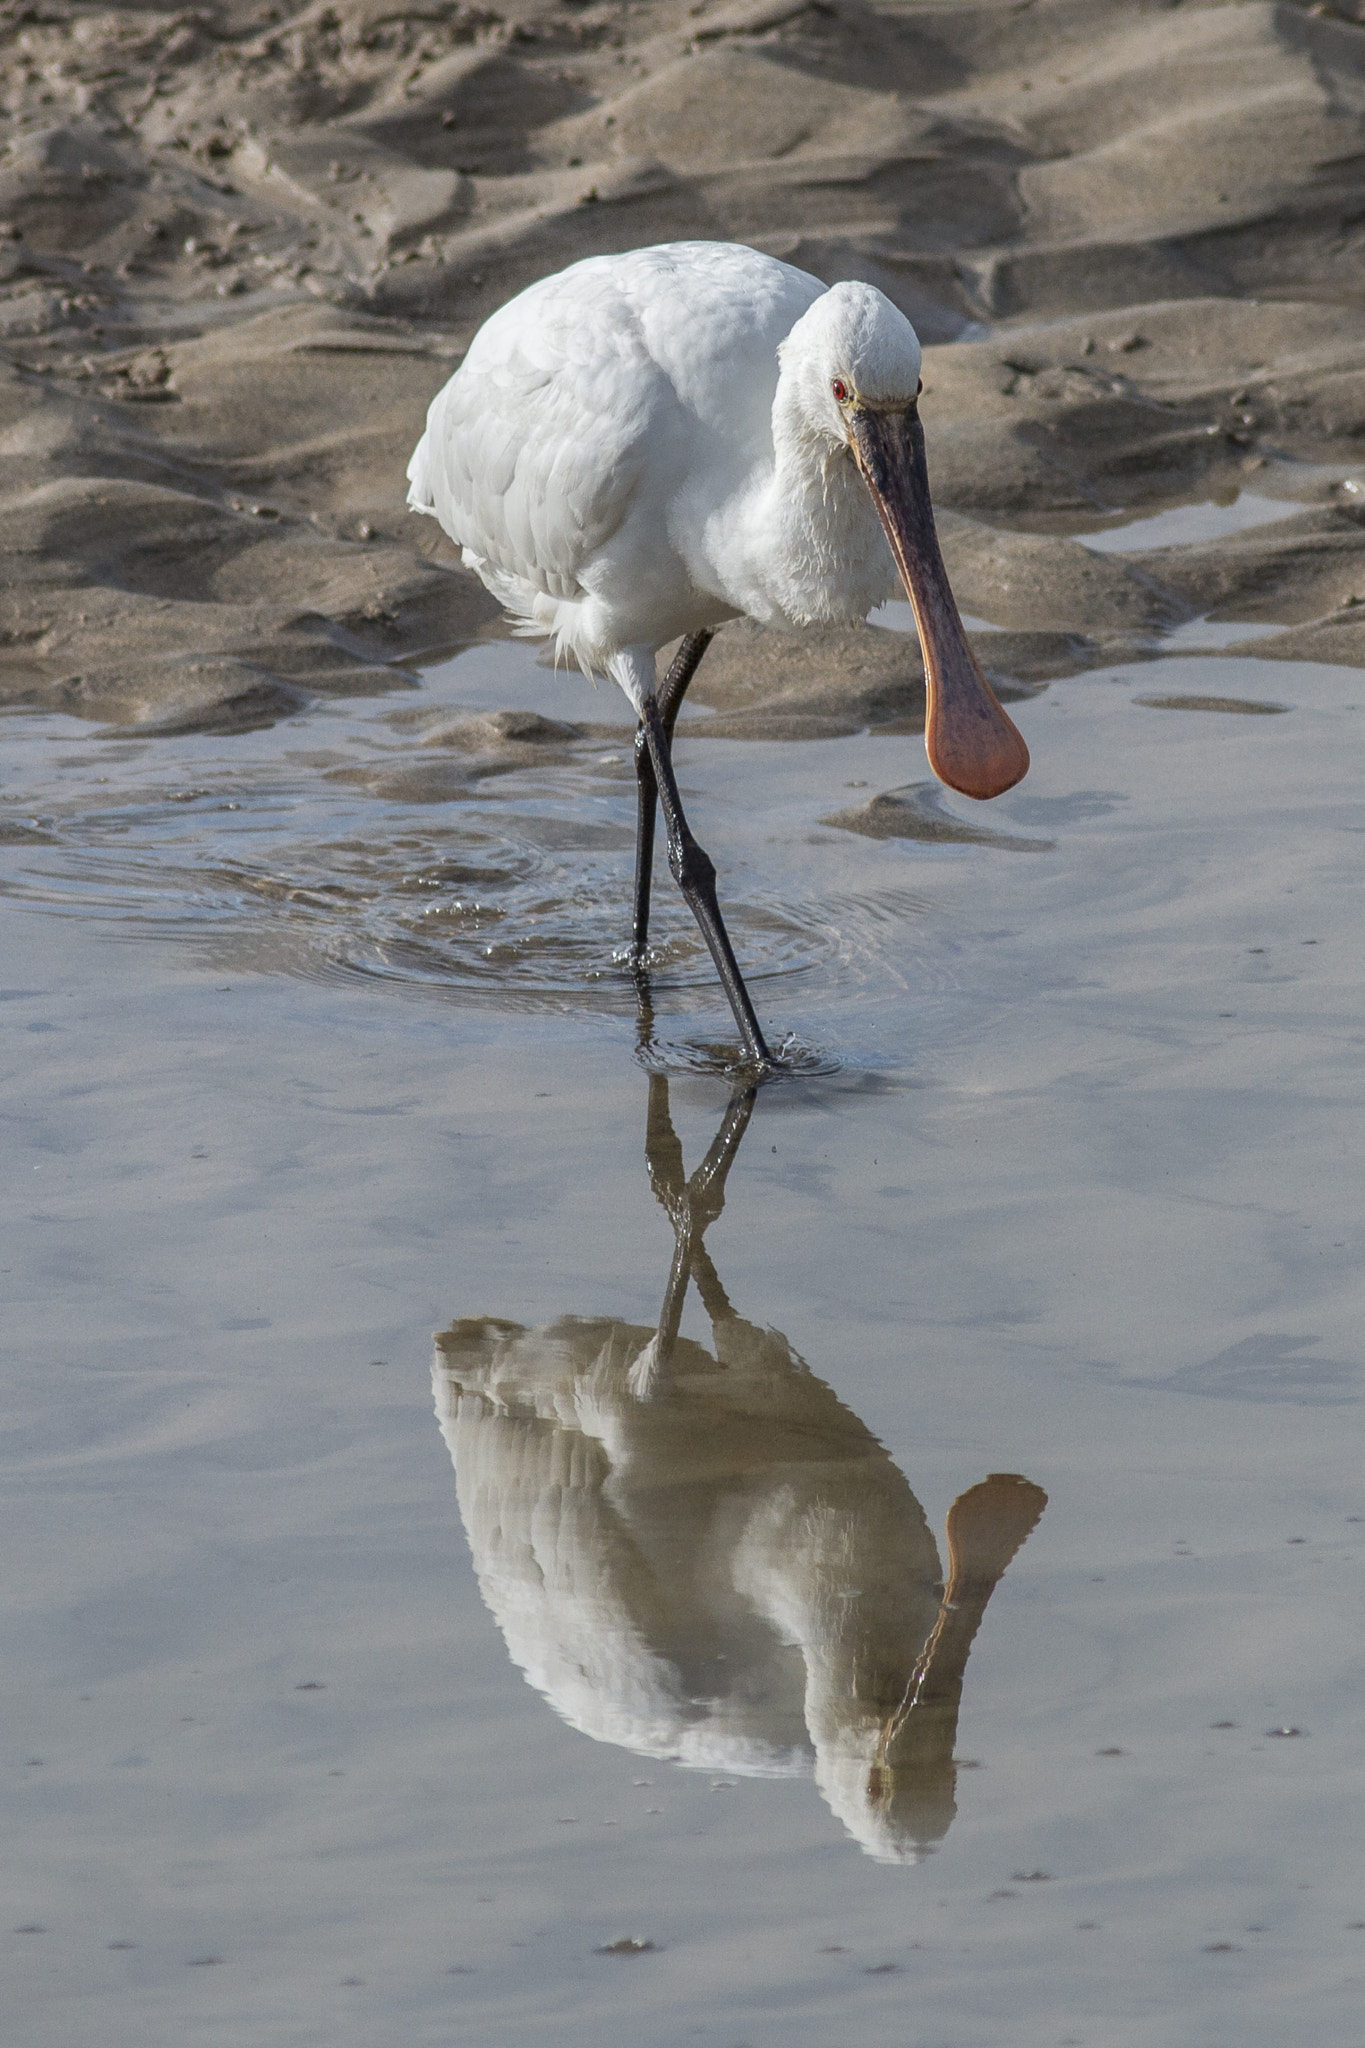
813 544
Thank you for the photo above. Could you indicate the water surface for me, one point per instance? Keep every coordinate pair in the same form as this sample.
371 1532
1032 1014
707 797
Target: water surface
604 1703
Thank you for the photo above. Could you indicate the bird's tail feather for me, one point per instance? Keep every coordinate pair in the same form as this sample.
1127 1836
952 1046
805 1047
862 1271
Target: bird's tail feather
420 495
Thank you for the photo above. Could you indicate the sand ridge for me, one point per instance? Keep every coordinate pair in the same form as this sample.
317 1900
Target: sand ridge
241 246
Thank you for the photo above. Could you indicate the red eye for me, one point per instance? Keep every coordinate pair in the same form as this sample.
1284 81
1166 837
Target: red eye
840 389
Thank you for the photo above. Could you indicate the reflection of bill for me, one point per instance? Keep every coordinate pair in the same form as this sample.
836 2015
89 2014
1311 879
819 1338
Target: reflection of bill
705 1556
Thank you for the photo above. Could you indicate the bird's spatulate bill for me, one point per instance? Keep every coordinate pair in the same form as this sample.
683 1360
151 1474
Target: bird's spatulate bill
973 746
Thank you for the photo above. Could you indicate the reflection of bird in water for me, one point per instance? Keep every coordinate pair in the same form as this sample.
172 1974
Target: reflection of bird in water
705 1556
652 443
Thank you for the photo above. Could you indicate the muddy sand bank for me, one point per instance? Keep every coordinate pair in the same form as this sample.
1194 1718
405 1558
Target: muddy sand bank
243 246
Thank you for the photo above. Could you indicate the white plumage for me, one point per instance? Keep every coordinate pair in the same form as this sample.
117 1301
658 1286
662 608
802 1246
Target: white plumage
609 459
649 444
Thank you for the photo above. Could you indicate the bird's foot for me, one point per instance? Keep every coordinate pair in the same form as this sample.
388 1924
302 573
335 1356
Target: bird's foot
794 1059
756 1064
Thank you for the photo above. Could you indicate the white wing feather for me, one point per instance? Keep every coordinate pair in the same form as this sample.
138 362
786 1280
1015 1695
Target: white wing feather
555 454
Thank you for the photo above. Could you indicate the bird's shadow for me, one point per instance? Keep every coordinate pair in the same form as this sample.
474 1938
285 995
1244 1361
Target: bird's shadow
702 1555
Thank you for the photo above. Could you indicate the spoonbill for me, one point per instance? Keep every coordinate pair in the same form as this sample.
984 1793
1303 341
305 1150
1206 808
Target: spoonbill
648 444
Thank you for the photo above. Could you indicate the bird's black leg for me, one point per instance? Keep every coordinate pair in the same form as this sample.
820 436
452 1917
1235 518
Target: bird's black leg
646 797
695 874
669 697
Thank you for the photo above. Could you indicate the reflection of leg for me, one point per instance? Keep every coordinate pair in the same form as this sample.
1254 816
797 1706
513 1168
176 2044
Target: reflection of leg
700 1199
670 694
706 1188
644 1014
663 1152
695 874
717 1303
705 1198
667 1173
692 1205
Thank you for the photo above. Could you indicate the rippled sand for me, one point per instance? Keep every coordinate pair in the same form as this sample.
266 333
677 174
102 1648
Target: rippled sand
242 247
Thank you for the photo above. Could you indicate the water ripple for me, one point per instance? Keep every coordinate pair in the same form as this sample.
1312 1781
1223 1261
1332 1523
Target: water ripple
266 858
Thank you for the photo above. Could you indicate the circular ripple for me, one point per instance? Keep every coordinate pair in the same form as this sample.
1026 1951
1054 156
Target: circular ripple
796 1058
496 917
516 891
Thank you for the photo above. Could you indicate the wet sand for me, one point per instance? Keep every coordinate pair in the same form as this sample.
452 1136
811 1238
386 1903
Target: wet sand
245 245
467 1579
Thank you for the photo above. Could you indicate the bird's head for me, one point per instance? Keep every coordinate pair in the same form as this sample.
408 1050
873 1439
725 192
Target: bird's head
855 360
852 349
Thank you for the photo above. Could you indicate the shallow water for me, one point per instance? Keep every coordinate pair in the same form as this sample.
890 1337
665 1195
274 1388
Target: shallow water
318 1060
1204 520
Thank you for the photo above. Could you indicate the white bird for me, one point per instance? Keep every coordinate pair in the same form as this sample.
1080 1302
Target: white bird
647 445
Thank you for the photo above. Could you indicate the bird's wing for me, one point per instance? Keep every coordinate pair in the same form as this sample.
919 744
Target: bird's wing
595 392
537 446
